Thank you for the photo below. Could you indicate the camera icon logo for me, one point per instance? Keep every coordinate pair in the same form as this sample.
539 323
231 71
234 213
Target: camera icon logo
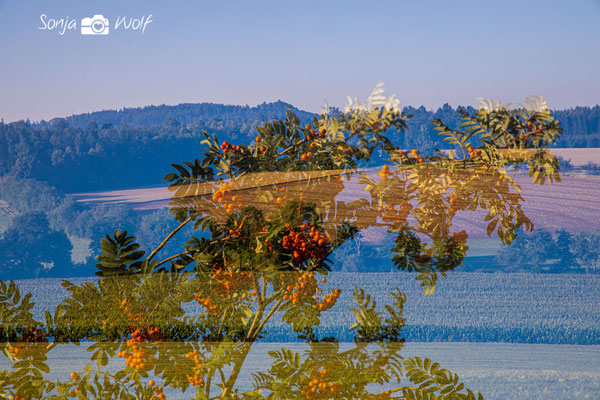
96 25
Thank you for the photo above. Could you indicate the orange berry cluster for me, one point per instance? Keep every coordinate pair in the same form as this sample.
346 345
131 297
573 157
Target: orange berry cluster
129 314
135 358
238 228
16 352
227 197
313 133
329 300
227 147
137 317
321 386
301 285
473 152
280 199
306 244
229 282
452 198
196 379
306 157
385 170
225 284
532 128
74 376
207 303
23 351
158 392
414 154
298 286
342 148
257 140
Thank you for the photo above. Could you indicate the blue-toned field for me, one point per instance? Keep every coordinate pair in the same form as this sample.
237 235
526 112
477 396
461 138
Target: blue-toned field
500 371
509 336
465 307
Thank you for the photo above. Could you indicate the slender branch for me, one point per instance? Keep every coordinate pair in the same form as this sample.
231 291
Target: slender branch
264 321
172 258
222 323
228 386
272 297
298 143
164 242
208 383
264 287
260 298
259 313
222 376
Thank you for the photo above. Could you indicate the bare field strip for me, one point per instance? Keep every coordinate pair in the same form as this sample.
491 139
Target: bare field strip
573 204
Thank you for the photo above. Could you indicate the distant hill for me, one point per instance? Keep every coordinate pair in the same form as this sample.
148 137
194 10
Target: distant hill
184 114
134 147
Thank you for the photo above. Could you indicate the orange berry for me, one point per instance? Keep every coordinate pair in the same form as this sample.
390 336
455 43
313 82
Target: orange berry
257 139
151 382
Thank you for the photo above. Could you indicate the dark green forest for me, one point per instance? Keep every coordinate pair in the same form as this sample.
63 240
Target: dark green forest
41 162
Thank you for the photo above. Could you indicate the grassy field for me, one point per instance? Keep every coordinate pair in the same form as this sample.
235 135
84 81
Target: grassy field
466 307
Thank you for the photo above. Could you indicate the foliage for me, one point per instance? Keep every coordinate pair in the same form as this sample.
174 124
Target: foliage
267 217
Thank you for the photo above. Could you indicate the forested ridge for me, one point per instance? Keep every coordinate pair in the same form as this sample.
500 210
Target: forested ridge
134 147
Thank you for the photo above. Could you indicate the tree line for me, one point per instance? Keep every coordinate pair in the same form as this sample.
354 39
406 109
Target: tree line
133 147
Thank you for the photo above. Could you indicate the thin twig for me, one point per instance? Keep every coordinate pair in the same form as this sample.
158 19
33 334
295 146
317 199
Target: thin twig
172 257
264 321
164 242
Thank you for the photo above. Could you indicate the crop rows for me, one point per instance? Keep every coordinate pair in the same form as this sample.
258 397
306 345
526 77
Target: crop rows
466 307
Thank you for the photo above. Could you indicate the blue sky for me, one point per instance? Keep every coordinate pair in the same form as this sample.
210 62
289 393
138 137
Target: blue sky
241 52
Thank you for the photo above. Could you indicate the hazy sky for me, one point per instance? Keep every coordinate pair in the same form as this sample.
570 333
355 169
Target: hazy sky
247 52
